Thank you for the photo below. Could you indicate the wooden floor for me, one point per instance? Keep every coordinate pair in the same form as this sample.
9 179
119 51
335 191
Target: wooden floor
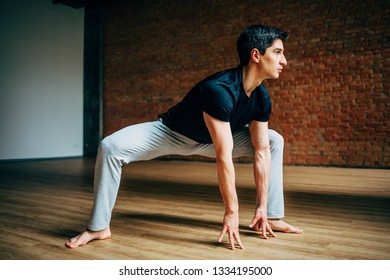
173 210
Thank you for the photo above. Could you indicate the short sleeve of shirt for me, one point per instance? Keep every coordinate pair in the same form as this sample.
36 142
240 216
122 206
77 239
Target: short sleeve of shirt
217 101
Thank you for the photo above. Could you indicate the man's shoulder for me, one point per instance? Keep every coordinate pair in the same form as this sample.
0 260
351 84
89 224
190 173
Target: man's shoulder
226 76
228 79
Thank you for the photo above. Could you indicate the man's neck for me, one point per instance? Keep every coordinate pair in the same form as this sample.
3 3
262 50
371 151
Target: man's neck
250 79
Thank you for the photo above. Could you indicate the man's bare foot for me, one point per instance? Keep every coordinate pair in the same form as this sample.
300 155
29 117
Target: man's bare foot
280 225
87 236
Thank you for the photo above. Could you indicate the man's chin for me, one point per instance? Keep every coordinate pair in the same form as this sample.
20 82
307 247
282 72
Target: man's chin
274 77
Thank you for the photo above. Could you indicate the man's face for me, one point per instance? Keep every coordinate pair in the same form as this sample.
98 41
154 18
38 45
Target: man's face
272 62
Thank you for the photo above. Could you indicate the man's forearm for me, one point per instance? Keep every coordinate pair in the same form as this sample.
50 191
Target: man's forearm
262 164
226 181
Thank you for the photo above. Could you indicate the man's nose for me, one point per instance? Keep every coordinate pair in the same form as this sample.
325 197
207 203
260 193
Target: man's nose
283 61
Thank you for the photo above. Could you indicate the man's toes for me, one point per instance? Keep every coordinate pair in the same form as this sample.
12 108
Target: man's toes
293 229
71 245
74 239
74 242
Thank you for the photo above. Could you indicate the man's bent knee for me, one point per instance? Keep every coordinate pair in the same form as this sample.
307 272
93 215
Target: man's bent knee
108 146
276 140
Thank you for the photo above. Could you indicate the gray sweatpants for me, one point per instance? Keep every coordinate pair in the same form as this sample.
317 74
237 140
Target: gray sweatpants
149 140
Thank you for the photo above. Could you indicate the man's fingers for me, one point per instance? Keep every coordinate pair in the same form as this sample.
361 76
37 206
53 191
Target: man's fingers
222 234
271 231
238 240
233 237
263 227
264 232
231 241
266 229
254 222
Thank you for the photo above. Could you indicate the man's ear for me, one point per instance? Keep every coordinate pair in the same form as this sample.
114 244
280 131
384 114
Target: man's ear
256 55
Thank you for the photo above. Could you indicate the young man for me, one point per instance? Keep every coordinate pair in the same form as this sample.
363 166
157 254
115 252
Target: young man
224 116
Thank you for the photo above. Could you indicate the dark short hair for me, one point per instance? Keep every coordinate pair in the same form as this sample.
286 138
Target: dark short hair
257 36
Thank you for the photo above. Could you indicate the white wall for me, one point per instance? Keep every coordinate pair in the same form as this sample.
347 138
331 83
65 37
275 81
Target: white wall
41 80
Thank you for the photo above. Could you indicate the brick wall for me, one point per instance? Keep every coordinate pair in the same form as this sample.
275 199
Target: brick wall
331 103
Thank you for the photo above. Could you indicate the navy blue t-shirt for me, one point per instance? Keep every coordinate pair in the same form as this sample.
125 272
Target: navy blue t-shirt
222 96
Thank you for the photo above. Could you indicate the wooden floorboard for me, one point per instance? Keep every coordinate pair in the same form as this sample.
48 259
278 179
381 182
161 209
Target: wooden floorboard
172 210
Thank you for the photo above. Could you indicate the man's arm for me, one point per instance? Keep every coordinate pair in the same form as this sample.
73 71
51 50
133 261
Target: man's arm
261 167
223 143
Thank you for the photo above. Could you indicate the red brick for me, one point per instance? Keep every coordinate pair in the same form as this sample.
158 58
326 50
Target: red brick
331 103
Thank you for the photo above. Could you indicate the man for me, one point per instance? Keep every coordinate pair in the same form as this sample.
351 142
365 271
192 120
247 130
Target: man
224 116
